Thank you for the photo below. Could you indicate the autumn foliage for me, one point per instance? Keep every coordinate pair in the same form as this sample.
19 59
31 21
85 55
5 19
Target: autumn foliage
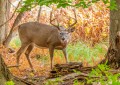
92 27
92 23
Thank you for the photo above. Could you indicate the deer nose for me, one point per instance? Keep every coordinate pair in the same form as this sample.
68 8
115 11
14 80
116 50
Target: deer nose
63 39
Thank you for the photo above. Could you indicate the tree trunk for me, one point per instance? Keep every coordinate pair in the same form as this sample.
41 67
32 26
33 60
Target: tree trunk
8 6
2 19
113 54
2 37
5 74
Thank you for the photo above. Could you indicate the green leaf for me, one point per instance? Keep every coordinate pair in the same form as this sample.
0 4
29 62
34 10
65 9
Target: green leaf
106 1
9 83
113 5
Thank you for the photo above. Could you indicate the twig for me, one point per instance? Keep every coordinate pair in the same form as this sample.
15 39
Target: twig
39 12
11 3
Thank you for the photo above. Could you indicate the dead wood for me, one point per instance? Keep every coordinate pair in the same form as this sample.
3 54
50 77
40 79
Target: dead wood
65 74
63 69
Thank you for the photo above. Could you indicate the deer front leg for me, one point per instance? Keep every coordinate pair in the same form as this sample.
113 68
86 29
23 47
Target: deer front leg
51 51
65 55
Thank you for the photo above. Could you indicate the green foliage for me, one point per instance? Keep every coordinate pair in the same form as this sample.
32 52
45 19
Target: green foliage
78 72
113 5
76 82
9 83
29 4
55 82
82 51
86 3
105 1
15 43
103 76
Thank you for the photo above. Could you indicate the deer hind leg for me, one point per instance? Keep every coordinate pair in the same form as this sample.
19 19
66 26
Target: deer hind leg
18 54
65 54
27 53
20 51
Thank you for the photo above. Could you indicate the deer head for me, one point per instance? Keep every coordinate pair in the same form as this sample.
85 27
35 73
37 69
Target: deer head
64 33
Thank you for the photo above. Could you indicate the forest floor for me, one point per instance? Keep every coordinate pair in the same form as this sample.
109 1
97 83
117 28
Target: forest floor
79 52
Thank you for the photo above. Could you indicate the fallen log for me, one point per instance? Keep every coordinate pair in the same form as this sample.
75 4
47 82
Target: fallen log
63 69
69 78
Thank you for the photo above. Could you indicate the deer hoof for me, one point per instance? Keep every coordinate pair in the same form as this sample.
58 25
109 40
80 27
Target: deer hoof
10 50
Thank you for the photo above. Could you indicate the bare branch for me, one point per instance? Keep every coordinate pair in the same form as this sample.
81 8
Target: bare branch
38 17
11 3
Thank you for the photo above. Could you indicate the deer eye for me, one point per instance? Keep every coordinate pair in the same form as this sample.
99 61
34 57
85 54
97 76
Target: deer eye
60 33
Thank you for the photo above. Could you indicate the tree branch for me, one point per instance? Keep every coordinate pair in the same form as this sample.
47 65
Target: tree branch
11 3
38 17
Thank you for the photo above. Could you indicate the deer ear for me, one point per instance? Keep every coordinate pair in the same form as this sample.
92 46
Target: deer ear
71 29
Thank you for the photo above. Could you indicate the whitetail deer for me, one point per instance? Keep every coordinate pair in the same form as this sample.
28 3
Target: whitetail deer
42 35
